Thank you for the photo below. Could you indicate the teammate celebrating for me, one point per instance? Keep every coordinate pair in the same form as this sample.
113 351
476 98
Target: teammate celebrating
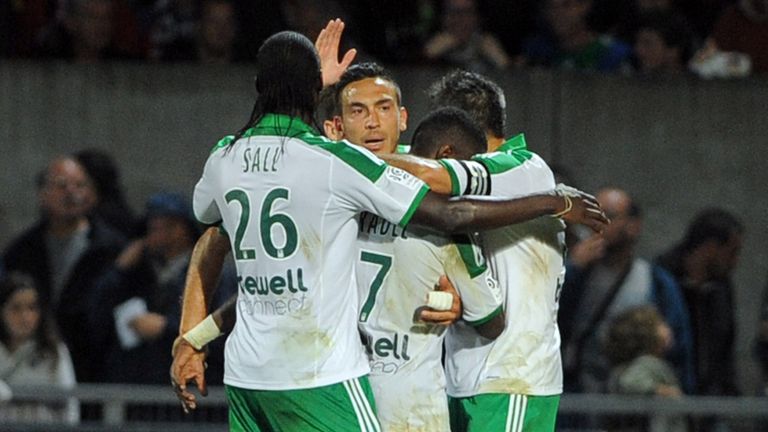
515 383
294 360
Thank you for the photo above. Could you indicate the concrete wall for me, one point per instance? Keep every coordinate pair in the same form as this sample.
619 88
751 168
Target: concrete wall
677 144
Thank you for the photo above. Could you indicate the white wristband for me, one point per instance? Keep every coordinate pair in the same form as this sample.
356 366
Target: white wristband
203 333
439 300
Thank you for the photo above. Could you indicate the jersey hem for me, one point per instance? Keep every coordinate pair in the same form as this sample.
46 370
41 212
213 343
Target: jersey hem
541 392
325 381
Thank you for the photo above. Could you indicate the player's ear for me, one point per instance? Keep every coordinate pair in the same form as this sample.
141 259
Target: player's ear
445 151
403 119
338 124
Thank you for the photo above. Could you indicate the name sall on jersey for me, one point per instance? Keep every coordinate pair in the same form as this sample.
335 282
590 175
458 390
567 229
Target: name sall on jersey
288 286
376 225
261 159
380 350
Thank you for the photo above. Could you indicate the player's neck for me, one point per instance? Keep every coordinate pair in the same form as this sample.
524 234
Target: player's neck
494 142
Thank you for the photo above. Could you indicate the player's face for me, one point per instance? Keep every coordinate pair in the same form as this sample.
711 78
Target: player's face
371 116
21 314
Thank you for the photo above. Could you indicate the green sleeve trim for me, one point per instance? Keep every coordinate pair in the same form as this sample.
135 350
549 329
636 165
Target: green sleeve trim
227 140
455 186
414 205
490 316
500 162
467 252
368 165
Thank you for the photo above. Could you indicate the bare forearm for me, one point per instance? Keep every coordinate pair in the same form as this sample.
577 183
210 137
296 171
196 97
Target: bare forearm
468 214
202 277
429 171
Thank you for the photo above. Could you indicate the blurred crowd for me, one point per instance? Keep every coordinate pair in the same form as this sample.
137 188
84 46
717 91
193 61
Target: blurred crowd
711 38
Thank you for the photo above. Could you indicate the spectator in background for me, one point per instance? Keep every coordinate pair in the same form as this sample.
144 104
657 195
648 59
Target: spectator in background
702 14
110 205
637 342
91 31
463 43
663 44
569 42
703 264
214 38
743 28
172 24
21 24
31 353
604 278
65 252
136 309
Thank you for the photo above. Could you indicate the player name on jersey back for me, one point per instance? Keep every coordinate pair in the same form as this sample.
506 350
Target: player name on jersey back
375 225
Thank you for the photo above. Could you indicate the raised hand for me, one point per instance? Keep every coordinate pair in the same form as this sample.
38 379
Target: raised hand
327 45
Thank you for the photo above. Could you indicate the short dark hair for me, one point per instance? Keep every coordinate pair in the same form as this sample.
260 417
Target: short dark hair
362 71
480 97
711 224
327 108
448 125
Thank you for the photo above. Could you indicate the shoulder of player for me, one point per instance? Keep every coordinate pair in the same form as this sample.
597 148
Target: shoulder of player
355 157
502 161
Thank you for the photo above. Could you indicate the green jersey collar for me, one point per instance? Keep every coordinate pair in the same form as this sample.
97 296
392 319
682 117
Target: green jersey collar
517 142
279 125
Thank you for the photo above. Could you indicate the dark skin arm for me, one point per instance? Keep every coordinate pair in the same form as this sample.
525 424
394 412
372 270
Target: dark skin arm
493 328
462 214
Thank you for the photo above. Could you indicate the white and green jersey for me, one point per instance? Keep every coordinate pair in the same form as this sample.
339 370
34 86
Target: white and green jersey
396 269
527 260
289 200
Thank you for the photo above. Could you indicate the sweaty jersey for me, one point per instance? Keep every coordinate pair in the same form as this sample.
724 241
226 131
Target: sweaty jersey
289 200
396 269
527 260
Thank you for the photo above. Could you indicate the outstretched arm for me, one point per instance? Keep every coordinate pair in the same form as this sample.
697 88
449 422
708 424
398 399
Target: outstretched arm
466 214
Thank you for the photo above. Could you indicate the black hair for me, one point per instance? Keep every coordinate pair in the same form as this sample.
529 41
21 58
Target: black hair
480 97
711 224
362 71
327 108
288 79
101 168
448 125
45 336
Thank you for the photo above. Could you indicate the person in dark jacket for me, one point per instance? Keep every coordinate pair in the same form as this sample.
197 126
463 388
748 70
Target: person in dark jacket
66 252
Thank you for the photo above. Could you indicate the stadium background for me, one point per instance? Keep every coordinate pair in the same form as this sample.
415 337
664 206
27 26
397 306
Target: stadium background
678 143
